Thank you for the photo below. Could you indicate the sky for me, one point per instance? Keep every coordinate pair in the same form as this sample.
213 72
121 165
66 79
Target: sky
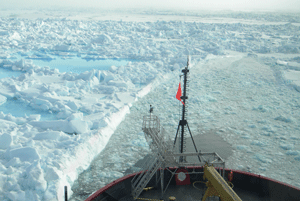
236 5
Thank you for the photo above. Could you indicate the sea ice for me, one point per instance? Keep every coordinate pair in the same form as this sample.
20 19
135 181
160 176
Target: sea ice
286 146
48 135
2 99
262 158
291 152
284 119
282 62
41 157
5 141
24 154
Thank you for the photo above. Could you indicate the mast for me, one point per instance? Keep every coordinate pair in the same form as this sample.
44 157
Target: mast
183 122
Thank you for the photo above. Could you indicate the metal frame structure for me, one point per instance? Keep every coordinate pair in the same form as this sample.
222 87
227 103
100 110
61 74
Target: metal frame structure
164 155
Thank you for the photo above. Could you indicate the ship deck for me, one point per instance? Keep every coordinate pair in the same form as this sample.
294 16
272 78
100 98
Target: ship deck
247 186
189 193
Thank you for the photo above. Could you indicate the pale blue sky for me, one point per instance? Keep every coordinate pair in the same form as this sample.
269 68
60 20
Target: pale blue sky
273 5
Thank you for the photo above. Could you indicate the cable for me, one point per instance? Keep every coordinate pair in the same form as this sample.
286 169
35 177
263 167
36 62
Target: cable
198 182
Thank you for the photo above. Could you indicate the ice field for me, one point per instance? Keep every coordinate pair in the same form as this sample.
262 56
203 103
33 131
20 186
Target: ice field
244 82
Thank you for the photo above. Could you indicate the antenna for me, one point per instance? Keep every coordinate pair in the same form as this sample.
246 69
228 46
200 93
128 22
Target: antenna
183 122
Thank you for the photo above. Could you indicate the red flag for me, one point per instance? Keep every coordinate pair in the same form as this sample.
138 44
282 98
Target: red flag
178 95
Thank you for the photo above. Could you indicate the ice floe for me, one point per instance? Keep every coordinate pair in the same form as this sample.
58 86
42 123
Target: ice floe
39 157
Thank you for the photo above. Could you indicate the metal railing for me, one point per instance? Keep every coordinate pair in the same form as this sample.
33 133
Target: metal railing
164 156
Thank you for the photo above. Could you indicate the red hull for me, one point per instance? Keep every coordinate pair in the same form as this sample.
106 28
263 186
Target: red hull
264 187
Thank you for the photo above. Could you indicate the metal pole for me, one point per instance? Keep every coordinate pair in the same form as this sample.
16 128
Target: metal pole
183 108
193 141
156 178
66 193
176 135
162 181
183 122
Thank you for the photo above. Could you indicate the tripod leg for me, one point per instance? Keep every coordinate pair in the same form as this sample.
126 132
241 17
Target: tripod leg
193 141
176 136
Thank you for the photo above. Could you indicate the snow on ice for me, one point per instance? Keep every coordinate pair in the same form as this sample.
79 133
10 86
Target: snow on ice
38 157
